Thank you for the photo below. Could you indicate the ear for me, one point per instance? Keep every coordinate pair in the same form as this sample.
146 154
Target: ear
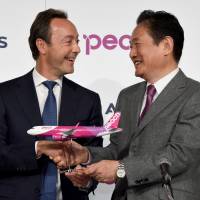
41 45
168 45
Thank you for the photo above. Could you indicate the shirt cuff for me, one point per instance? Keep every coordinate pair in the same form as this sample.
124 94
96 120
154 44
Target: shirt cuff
87 187
88 161
37 156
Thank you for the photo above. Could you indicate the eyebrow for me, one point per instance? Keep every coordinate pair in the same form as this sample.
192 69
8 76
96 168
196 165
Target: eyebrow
69 37
133 40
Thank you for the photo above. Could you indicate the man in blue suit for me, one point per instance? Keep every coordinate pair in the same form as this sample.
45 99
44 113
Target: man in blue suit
54 44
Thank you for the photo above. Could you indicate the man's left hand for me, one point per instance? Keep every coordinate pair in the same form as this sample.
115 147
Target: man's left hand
103 171
77 178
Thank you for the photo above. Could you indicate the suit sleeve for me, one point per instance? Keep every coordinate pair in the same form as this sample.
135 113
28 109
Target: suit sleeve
111 152
182 150
14 156
95 119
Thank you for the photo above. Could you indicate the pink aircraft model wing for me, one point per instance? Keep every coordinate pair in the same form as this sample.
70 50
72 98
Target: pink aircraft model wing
70 132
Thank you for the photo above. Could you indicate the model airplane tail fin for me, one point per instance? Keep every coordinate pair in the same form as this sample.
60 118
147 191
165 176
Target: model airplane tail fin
113 122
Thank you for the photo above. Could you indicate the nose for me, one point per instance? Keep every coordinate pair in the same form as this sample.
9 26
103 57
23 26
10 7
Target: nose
76 48
133 52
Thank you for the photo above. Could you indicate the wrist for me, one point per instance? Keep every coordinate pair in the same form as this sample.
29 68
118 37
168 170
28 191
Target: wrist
120 170
40 147
38 155
87 186
86 156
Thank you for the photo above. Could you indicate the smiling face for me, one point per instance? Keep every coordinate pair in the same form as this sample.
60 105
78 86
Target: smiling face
148 57
57 57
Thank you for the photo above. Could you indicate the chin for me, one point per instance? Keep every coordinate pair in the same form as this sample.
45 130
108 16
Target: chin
137 74
69 70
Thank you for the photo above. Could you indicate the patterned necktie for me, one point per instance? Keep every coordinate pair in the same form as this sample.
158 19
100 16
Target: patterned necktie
151 91
49 117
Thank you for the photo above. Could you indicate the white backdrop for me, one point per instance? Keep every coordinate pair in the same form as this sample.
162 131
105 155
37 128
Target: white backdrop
102 67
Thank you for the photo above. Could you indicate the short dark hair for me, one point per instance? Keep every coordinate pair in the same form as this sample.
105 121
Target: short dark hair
41 28
161 24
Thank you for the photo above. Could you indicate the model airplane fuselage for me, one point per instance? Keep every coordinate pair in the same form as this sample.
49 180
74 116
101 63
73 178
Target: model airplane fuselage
71 132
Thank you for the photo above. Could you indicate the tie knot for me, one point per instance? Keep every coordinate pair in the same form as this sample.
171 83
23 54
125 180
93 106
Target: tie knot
49 84
151 90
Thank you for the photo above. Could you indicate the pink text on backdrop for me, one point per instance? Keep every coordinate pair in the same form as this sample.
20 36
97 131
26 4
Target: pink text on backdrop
109 42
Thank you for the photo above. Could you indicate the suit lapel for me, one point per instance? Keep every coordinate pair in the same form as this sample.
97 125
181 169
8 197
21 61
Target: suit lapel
27 97
136 104
170 93
68 103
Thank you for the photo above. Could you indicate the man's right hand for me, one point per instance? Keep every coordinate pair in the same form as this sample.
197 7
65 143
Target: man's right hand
77 153
54 150
64 154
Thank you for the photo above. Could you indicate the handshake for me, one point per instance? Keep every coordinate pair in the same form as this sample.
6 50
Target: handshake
69 153
63 154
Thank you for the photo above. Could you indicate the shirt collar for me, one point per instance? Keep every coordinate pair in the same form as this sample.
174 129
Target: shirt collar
39 79
162 83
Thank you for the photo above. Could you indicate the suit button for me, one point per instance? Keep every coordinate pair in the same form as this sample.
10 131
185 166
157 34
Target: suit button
138 182
146 180
19 169
142 181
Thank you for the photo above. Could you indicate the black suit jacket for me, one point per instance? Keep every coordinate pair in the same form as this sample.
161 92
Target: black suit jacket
19 111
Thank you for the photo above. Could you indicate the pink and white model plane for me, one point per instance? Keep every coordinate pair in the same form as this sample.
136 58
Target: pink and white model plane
71 132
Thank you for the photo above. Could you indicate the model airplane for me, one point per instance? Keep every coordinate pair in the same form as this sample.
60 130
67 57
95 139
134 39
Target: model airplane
71 132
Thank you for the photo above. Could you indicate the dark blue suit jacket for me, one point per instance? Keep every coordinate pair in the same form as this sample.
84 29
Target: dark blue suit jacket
19 111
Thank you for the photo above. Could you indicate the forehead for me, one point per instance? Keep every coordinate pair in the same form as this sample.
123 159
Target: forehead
63 27
140 31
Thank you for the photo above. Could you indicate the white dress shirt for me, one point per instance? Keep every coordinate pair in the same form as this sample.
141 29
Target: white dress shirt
42 93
